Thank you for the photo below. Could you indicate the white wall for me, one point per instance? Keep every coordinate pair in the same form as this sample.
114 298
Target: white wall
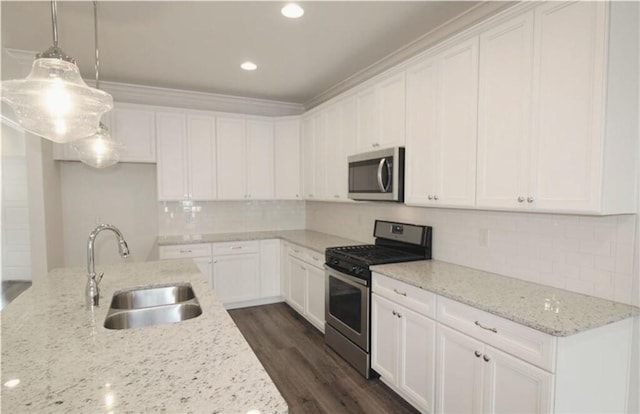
585 254
123 195
230 216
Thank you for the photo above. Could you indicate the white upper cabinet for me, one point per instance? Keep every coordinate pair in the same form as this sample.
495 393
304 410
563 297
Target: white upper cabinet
131 124
442 92
554 128
287 159
504 108
381 114
319 156
245 159
308 159
333 153
186 157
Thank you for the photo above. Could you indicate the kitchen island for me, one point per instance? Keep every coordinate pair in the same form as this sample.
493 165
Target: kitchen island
58 357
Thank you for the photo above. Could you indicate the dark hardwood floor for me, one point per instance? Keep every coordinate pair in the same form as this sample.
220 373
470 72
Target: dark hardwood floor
308 374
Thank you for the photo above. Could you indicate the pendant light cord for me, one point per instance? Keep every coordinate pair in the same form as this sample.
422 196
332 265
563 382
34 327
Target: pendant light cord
54 22
95 22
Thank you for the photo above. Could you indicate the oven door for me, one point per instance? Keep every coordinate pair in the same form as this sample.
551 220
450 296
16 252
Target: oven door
347 306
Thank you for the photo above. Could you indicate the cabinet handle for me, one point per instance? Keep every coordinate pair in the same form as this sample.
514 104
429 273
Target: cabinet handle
400 293
185 251
486 358
297 195
430 197
477 354
315 258
236 247
520 199
310 195
494 330
529 199
296 251
435 197
336 196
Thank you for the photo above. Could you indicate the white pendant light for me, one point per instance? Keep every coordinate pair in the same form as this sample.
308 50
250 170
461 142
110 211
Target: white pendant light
53 101
99 150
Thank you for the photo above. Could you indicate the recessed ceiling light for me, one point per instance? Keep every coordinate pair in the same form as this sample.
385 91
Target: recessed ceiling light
249 66
292 11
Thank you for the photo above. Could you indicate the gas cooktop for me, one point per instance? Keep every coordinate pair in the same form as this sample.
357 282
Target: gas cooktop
371 254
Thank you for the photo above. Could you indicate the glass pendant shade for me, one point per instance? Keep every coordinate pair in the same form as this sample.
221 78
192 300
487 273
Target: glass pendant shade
99 150
54 102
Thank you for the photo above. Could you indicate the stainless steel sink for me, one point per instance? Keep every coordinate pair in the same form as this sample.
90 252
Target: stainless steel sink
152 296
138 318
152 305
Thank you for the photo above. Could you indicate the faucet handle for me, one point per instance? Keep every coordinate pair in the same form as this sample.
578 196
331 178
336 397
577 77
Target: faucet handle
99 277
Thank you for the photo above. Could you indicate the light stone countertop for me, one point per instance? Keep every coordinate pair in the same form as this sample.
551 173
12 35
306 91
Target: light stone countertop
310 239
67 361
554 311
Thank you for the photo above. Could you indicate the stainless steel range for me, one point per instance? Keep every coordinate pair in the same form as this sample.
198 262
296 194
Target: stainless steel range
348 286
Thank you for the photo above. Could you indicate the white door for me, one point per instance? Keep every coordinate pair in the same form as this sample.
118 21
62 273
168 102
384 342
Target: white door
205 266
231 161
514 386
459 373
201 166
422 145
392 111
315 296
385 338
569 58
457 123
319 157
260 169
297 284
236 277
504 108
172 157
308 159
368 120
333 153
134 126
269 268
287 160
417 361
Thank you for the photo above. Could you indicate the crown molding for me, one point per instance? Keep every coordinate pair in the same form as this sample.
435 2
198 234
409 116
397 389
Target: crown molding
178 98
441 33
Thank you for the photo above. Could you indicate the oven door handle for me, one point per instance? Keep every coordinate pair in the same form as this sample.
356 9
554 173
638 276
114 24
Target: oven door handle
345 278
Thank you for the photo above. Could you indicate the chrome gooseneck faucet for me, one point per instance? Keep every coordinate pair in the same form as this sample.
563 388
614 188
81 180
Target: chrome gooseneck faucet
92 291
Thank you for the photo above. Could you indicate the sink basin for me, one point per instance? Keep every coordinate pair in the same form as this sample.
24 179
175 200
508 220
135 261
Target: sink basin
138 318
152 296
152 305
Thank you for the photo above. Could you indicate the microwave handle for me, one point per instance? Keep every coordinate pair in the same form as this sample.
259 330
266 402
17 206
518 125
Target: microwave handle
384 188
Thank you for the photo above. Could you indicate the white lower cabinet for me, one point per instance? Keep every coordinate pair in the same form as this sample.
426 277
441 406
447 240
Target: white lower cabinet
474 377
402 351
306 284
236 277
205 265
199 253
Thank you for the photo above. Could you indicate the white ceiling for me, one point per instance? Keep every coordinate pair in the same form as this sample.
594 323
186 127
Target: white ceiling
198 45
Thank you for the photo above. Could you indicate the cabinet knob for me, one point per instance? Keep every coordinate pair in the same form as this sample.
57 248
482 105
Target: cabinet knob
486 358
520 199
297 196
435 197
529 199
394 313
477 354
399 315
430 197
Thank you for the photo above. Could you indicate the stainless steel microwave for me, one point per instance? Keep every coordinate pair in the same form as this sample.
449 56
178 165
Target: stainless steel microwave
377 175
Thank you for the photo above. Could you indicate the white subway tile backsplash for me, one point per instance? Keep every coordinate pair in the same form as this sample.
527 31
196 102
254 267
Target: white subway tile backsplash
582 231
580 259
596 247
595 276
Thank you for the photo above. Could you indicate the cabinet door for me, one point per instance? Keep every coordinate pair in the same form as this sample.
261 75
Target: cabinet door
417 350
134 126
422 146
297 285
315 296
347 143
232 181
269 268
287 160
260 171
391 94
459 373
284 270
333 153
172 157
506 54
319 157
308 160
568 72
457 124
205 266
385 338
236 277
514 386
201 166
368 122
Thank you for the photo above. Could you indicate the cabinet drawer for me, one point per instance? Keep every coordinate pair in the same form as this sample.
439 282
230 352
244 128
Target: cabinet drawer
236 247
414 298
183 251
314 258
298 252
523 342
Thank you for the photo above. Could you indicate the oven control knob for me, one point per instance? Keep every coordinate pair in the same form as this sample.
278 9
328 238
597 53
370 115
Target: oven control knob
357 270
334 261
